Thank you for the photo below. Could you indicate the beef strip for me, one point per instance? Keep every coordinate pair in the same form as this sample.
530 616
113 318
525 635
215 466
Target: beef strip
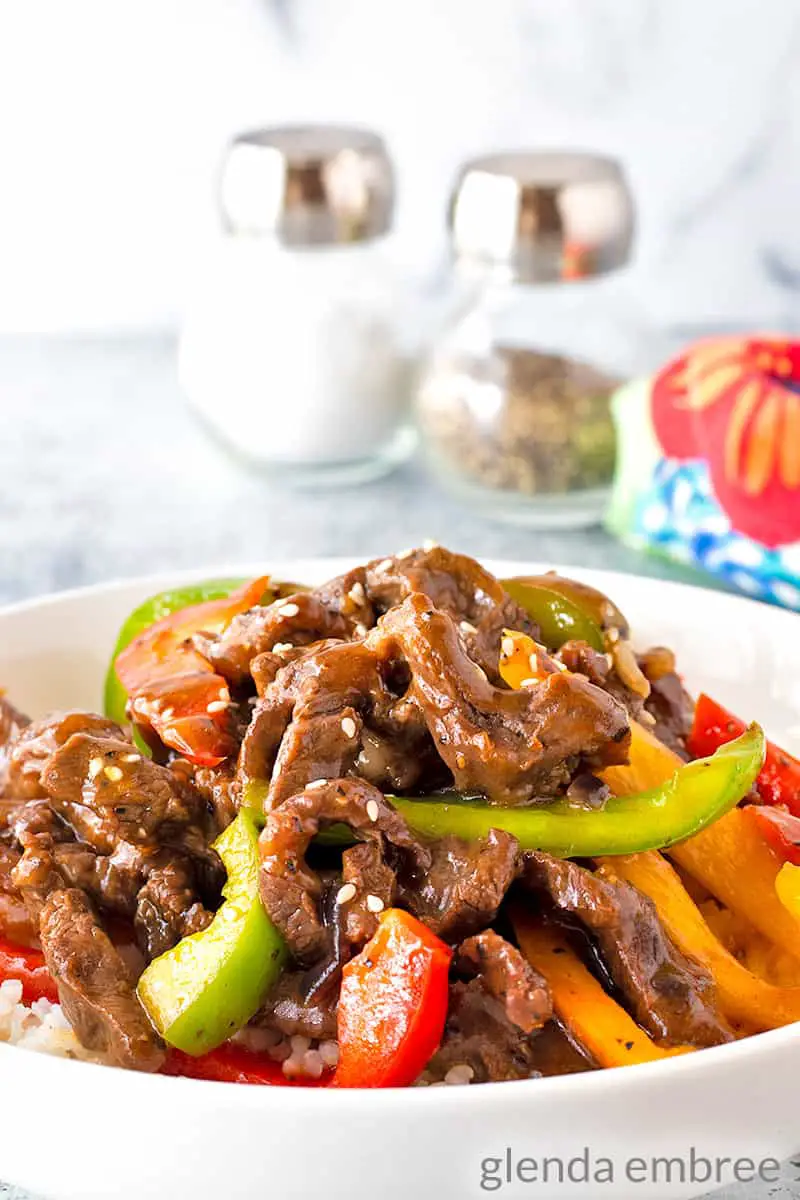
297 620
508 977
95 988
669 704
670 996
107 792
26 754
312 721
16 921
216 786
167 908
464 886
459 586
493 1018
375 882
512 746
290 890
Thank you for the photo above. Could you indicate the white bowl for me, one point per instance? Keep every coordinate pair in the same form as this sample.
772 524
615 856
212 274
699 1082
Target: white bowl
72 1131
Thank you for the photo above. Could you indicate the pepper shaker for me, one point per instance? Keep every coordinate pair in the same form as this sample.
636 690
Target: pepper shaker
291 351
514 401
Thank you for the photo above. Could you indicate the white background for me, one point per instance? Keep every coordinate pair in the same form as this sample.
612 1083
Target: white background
113 114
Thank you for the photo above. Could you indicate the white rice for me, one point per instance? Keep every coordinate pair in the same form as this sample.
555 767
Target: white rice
40 1026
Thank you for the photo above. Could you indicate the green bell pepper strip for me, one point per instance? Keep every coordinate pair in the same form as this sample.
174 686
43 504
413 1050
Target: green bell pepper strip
560 619
696 796
199 993
150 611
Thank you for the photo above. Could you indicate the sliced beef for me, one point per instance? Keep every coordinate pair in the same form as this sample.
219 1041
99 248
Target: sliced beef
669 995
111 880
95 988
459 586
295 620
508 977
290 890
107 792
493 1017
313 719
16 921
465 885
364 867
669 704
167 907
216 786
512 746
25 755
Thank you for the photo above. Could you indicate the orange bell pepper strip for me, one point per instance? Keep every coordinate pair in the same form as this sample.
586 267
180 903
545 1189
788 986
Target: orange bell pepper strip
172 689
392 1005
600 1025
731 858
743 997
734 862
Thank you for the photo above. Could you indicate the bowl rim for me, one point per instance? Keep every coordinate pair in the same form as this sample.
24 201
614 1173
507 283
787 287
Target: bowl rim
687 1066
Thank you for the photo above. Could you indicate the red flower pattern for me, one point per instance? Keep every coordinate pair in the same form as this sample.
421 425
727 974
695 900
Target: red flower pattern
735 403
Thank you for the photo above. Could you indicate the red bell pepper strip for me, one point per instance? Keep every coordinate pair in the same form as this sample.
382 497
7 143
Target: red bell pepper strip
779 780
28 966
779 828
173 690
231 1063
392 1005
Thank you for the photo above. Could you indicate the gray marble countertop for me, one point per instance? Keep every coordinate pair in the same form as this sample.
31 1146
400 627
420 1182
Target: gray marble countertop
103 473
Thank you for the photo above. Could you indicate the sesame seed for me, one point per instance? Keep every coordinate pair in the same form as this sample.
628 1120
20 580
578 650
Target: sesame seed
375 904
357 593
384 565
406 553
361 630
280 647
507 647
95 767
217 706
112 773
288 610
429 544
466 627
167 714
373 810
461 761
346 893
315 783
613 635
131 758
533 661
529 683
348 727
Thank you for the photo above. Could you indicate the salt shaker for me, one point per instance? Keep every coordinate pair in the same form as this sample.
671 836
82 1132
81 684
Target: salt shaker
292 349
514 402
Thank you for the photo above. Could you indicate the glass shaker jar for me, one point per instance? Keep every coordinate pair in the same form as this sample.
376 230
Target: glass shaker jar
291 350
513 404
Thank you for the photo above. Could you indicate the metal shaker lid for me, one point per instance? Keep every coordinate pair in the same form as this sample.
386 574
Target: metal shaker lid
547 215
308 185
